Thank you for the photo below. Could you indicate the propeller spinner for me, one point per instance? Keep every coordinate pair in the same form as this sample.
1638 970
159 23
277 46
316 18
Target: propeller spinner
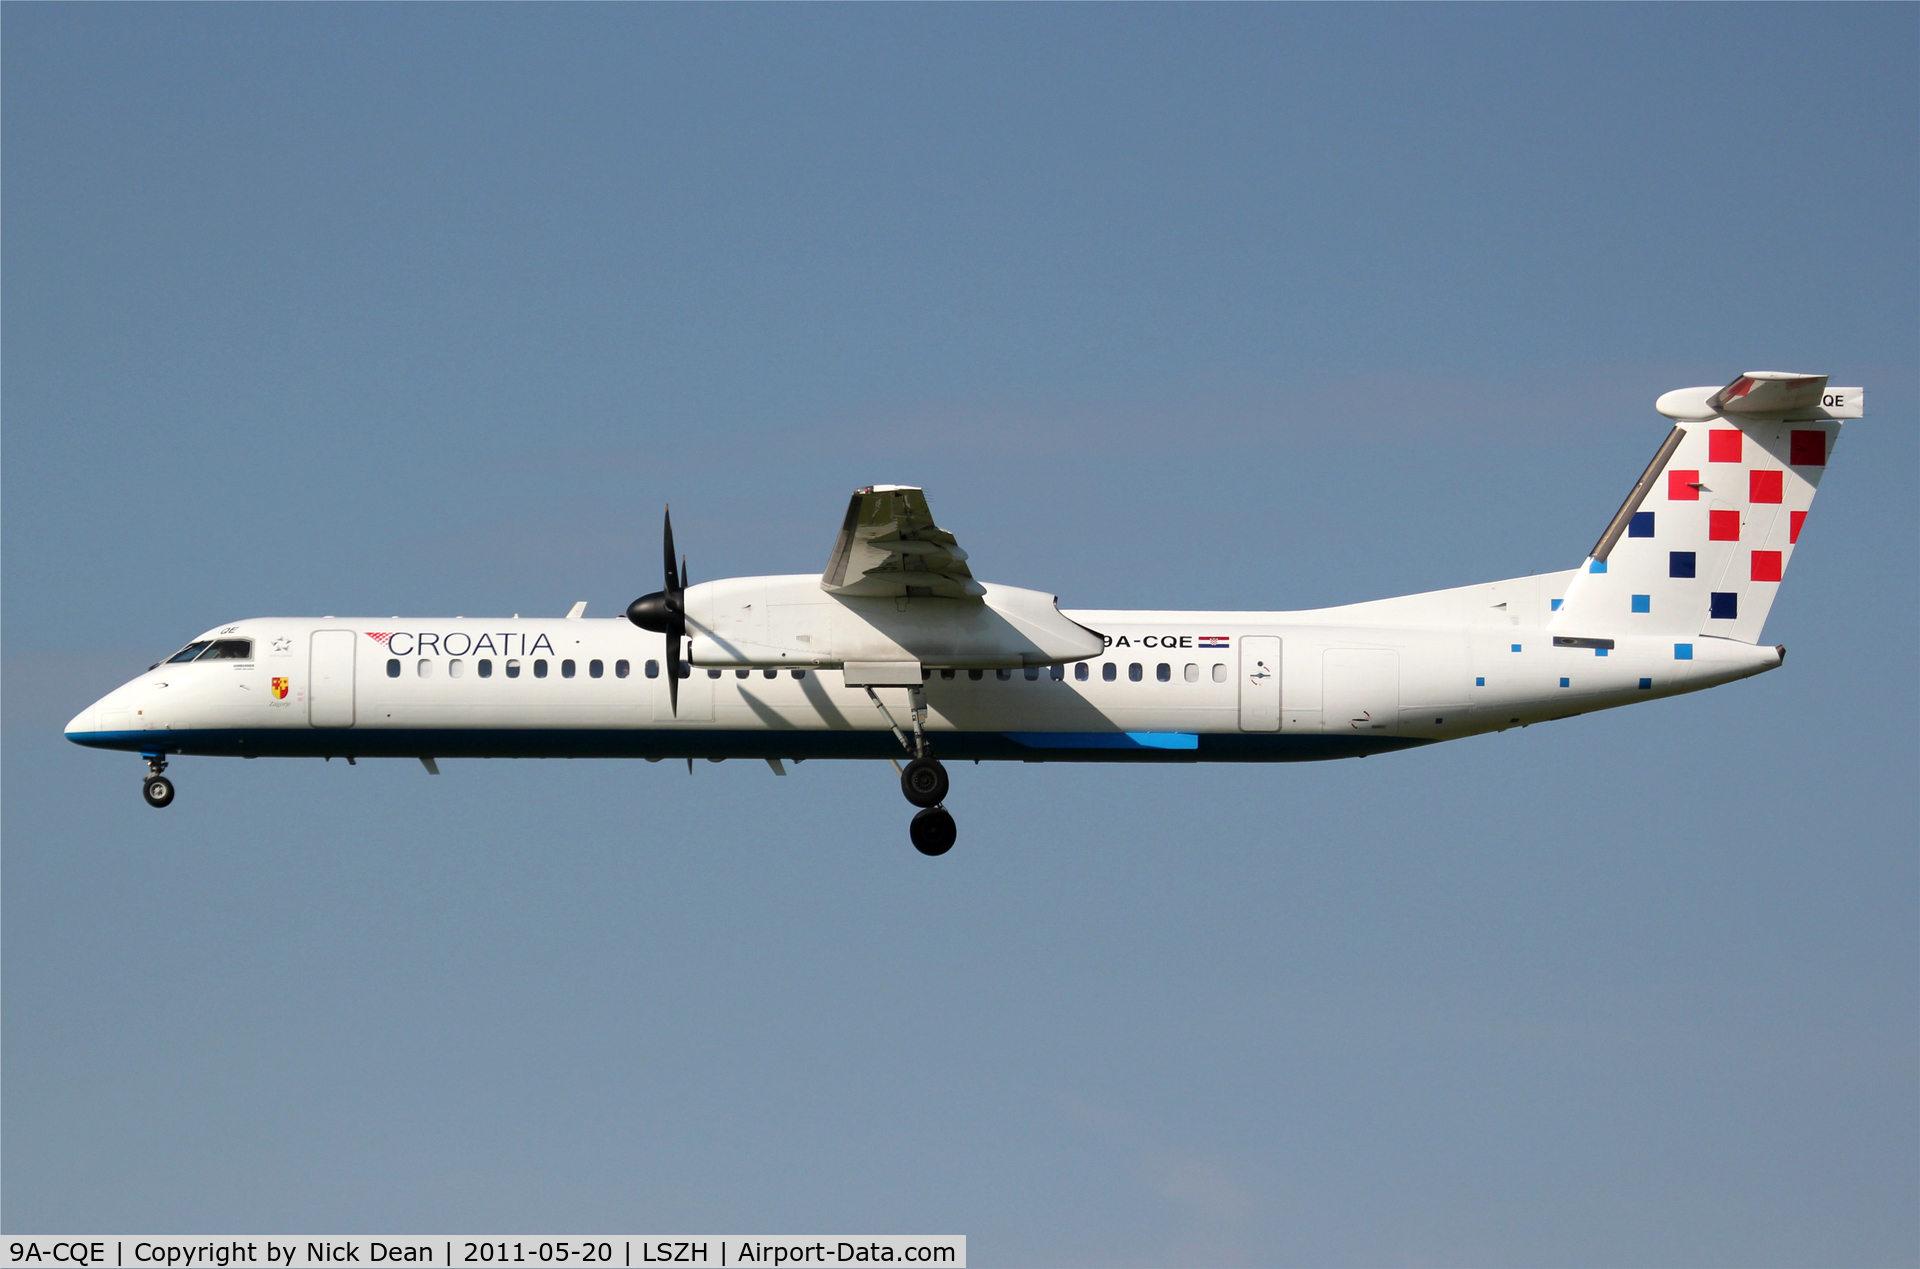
664 612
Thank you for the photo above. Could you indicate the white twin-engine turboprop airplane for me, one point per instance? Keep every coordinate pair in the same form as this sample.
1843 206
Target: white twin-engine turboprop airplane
897 651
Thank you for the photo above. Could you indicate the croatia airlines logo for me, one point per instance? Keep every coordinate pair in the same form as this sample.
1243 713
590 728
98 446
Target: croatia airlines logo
279 689
1213 641
380 637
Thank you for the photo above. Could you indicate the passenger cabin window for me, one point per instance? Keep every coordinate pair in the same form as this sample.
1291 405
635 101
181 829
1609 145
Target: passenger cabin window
425 668
976 675
566 669
1133 673
946 674
1033 674
485 668
596 669
1163 672
456 668
621 669
393 668
189 652
653 669
1080 672
1003 675
229 650
713 674
741 674
798 674
1058 673
1109 672
1219 672
1193 672
513 669
540 668
769 674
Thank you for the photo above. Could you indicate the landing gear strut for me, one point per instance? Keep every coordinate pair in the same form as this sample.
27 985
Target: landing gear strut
923 781
156 788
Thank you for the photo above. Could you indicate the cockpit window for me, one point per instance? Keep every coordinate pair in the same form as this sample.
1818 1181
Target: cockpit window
215 650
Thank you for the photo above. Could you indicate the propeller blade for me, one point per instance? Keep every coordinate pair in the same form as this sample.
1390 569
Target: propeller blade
673 582
664 611
673 671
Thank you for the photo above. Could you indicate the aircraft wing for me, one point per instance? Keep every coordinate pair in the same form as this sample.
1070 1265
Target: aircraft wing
890 546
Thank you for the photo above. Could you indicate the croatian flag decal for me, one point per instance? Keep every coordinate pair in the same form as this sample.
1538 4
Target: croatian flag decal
1213 641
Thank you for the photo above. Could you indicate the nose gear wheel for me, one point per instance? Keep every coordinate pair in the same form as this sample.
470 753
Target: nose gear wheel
158 791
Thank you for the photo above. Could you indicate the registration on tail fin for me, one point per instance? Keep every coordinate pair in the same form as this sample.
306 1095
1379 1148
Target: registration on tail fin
1701 544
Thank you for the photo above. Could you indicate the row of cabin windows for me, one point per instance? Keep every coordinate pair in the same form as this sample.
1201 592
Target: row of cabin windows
1109 671
1163 672
457 668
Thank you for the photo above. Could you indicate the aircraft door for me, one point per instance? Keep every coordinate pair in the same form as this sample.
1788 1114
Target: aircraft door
1259 683
330 678
1362 691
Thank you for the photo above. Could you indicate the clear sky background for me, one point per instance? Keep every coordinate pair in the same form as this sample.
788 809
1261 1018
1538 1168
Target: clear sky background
428 310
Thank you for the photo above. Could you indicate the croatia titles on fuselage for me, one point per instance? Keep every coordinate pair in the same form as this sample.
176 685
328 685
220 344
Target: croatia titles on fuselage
459 643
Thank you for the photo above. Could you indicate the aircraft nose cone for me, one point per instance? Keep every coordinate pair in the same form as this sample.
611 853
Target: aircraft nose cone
82 724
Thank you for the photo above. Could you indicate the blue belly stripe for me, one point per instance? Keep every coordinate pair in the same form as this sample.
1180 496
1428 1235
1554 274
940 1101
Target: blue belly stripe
1106 739
708 742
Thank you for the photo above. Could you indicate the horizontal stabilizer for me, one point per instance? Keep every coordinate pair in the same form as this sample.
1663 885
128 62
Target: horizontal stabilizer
1771 394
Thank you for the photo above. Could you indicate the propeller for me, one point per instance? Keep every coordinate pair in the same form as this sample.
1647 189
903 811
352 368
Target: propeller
665 612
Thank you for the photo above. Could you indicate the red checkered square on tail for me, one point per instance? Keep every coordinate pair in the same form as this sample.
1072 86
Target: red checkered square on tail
1807 448
1723 526
1766 566
1723 445
1765 486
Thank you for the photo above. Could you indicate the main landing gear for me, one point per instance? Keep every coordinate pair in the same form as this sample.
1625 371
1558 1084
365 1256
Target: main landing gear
156 788
933 831
923 781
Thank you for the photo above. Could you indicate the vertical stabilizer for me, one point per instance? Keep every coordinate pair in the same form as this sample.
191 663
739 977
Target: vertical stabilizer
1704 539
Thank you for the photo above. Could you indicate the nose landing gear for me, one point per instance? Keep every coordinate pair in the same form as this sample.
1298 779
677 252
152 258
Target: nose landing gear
156 788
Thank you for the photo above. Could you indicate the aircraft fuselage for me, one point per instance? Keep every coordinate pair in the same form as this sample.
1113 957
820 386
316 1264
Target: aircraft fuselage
1168 687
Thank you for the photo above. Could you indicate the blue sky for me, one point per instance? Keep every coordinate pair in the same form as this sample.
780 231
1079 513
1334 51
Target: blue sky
430 309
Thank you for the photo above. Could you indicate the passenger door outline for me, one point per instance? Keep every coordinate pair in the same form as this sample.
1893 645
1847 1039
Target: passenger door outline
330 674
1259 683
